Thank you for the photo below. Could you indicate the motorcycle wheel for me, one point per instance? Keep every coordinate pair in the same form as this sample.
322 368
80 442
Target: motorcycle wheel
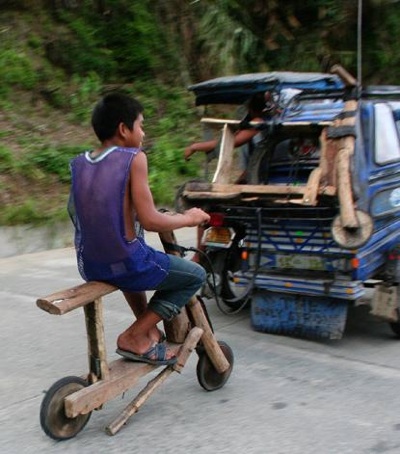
224 265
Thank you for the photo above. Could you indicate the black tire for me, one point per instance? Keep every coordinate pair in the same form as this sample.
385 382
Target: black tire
214 265
207 376
53 420
232 295
395 327
257 168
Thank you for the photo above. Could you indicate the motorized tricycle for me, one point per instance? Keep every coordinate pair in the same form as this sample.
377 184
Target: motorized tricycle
317 222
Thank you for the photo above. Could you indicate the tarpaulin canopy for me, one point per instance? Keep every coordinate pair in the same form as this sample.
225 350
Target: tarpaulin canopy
237 89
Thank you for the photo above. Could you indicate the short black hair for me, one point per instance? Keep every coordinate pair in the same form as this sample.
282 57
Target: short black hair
113 109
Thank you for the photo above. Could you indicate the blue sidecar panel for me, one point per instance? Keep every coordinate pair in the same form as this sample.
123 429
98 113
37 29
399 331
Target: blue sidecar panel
298 315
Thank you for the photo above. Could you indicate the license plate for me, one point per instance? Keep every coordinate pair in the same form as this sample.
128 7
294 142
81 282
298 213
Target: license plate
302 262
218 237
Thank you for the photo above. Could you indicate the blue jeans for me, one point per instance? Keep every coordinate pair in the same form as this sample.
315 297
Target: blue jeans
182 282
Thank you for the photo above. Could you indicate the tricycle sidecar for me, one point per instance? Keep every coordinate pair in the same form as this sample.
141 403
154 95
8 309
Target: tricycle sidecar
318 219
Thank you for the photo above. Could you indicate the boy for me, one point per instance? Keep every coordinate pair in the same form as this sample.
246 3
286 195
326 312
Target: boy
110 203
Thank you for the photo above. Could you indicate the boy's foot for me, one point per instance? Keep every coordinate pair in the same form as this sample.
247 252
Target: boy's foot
157 335
157 355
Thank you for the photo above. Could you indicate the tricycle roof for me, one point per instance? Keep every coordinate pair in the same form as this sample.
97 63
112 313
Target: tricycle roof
237 89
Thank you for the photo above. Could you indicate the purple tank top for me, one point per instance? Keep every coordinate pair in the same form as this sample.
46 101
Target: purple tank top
96 209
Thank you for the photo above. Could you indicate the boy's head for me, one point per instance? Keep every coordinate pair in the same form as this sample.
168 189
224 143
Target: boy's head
112 110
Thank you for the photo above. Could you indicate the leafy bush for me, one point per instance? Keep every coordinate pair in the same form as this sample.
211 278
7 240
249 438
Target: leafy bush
87 91
55 160
16 70
6 159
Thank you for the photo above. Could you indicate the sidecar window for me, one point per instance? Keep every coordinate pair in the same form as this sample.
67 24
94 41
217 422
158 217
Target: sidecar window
387 128
292 160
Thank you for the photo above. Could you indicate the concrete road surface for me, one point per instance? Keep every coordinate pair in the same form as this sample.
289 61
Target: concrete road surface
285 395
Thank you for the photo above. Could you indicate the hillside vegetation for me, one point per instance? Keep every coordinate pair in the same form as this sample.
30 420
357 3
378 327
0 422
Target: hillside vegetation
57 57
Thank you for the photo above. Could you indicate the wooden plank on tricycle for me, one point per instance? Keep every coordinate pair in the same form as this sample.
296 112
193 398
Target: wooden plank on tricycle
60 303
311 189
224 171
226 191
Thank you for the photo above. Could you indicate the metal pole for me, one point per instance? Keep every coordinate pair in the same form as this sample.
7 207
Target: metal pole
359 46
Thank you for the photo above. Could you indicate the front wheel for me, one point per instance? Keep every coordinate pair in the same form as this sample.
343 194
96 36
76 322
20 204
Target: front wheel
207 376
53 419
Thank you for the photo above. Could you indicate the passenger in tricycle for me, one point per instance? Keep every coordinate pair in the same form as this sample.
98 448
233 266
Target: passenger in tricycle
110 205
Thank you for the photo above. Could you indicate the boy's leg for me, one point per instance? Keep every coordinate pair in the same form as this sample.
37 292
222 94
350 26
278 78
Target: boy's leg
137 338
138 303
184 279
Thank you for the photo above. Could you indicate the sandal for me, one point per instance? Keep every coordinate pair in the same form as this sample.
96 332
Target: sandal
156 355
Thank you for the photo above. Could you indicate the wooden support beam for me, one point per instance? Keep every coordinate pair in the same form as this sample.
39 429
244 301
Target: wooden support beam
231 191
133 407
224 172
124 374
347 209
311 189
210 343
97 354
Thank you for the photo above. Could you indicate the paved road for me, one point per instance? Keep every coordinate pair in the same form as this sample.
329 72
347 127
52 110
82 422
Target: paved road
285 396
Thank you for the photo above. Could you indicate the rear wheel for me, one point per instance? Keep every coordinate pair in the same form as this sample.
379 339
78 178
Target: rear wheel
395 327
221 267
233 293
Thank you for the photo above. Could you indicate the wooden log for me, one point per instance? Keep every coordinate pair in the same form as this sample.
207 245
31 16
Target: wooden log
345 151
346 77
97 354
327 161
133 407
347 211
60 303
221 121
210 343
227 191
123 375
311 190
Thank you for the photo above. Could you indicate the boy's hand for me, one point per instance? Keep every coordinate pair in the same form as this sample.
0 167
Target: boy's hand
196 216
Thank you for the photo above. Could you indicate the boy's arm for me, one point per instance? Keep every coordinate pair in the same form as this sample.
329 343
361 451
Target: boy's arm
148 215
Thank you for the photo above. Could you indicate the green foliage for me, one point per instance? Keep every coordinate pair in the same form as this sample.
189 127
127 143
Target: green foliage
132 33
6 159
63 62
82 51
27 212
87 91
16 70
32 212
54 160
